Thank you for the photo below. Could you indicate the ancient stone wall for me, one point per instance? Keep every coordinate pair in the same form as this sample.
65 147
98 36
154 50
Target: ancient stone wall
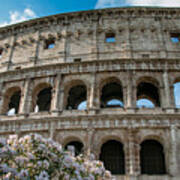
48 66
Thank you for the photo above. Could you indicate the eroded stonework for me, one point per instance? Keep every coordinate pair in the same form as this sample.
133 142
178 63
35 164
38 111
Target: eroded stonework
125 54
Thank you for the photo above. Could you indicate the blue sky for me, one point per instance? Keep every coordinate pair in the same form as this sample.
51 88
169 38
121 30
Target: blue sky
13 11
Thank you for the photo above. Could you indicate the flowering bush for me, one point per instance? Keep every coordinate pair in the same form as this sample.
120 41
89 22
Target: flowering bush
33 157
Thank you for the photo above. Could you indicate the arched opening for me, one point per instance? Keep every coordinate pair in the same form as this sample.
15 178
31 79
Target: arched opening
78 147
14 101
152 158
148 93
177 94
112 154
77 97
43 102
112 95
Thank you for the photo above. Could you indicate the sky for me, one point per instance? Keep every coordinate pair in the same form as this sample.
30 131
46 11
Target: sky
14 11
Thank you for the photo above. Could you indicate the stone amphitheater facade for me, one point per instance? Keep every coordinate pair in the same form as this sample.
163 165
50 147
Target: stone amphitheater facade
51 65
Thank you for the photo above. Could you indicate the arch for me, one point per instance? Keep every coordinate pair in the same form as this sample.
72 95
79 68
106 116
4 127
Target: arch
148 89
78 146
152 158
42 95
112 154
111 93
76 95
12 101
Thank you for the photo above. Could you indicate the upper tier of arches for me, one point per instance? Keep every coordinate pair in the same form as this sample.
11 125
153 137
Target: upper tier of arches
79 94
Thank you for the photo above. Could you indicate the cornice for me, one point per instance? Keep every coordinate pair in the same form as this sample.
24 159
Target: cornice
154 65
97 122
64 19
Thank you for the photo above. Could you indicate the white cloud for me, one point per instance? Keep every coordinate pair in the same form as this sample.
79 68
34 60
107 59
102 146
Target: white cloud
108 3
16 16
29 12
117 3
164 3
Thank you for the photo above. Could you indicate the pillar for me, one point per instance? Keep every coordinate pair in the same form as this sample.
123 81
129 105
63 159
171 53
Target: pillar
130 92
132 151
162 97
61 96
89 142
167 100
52 129
24 107
56 93
92 99
173 151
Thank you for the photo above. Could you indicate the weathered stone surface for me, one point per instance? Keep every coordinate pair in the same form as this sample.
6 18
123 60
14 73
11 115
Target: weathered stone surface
142 52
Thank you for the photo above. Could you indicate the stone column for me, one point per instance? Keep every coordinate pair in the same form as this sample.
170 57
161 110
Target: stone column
161 97
132 159
61 95
13 44
130 93
52 129
173 151
172 97
24 107
167 100
92 99
89 142
56 93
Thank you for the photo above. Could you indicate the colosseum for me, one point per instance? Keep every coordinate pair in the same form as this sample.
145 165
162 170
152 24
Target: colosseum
78 78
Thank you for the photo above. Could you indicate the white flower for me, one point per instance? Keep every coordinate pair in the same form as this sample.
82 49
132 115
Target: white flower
45 164
43 176
31 155
23 174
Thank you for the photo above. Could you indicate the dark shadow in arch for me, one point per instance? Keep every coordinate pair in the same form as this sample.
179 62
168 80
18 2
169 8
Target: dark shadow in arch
14 102
78 147
44 99
111 91
146 90
77 95
152 158
112 154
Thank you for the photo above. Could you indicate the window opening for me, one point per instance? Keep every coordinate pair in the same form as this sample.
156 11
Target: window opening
110 38
49 44
175 37
77 60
